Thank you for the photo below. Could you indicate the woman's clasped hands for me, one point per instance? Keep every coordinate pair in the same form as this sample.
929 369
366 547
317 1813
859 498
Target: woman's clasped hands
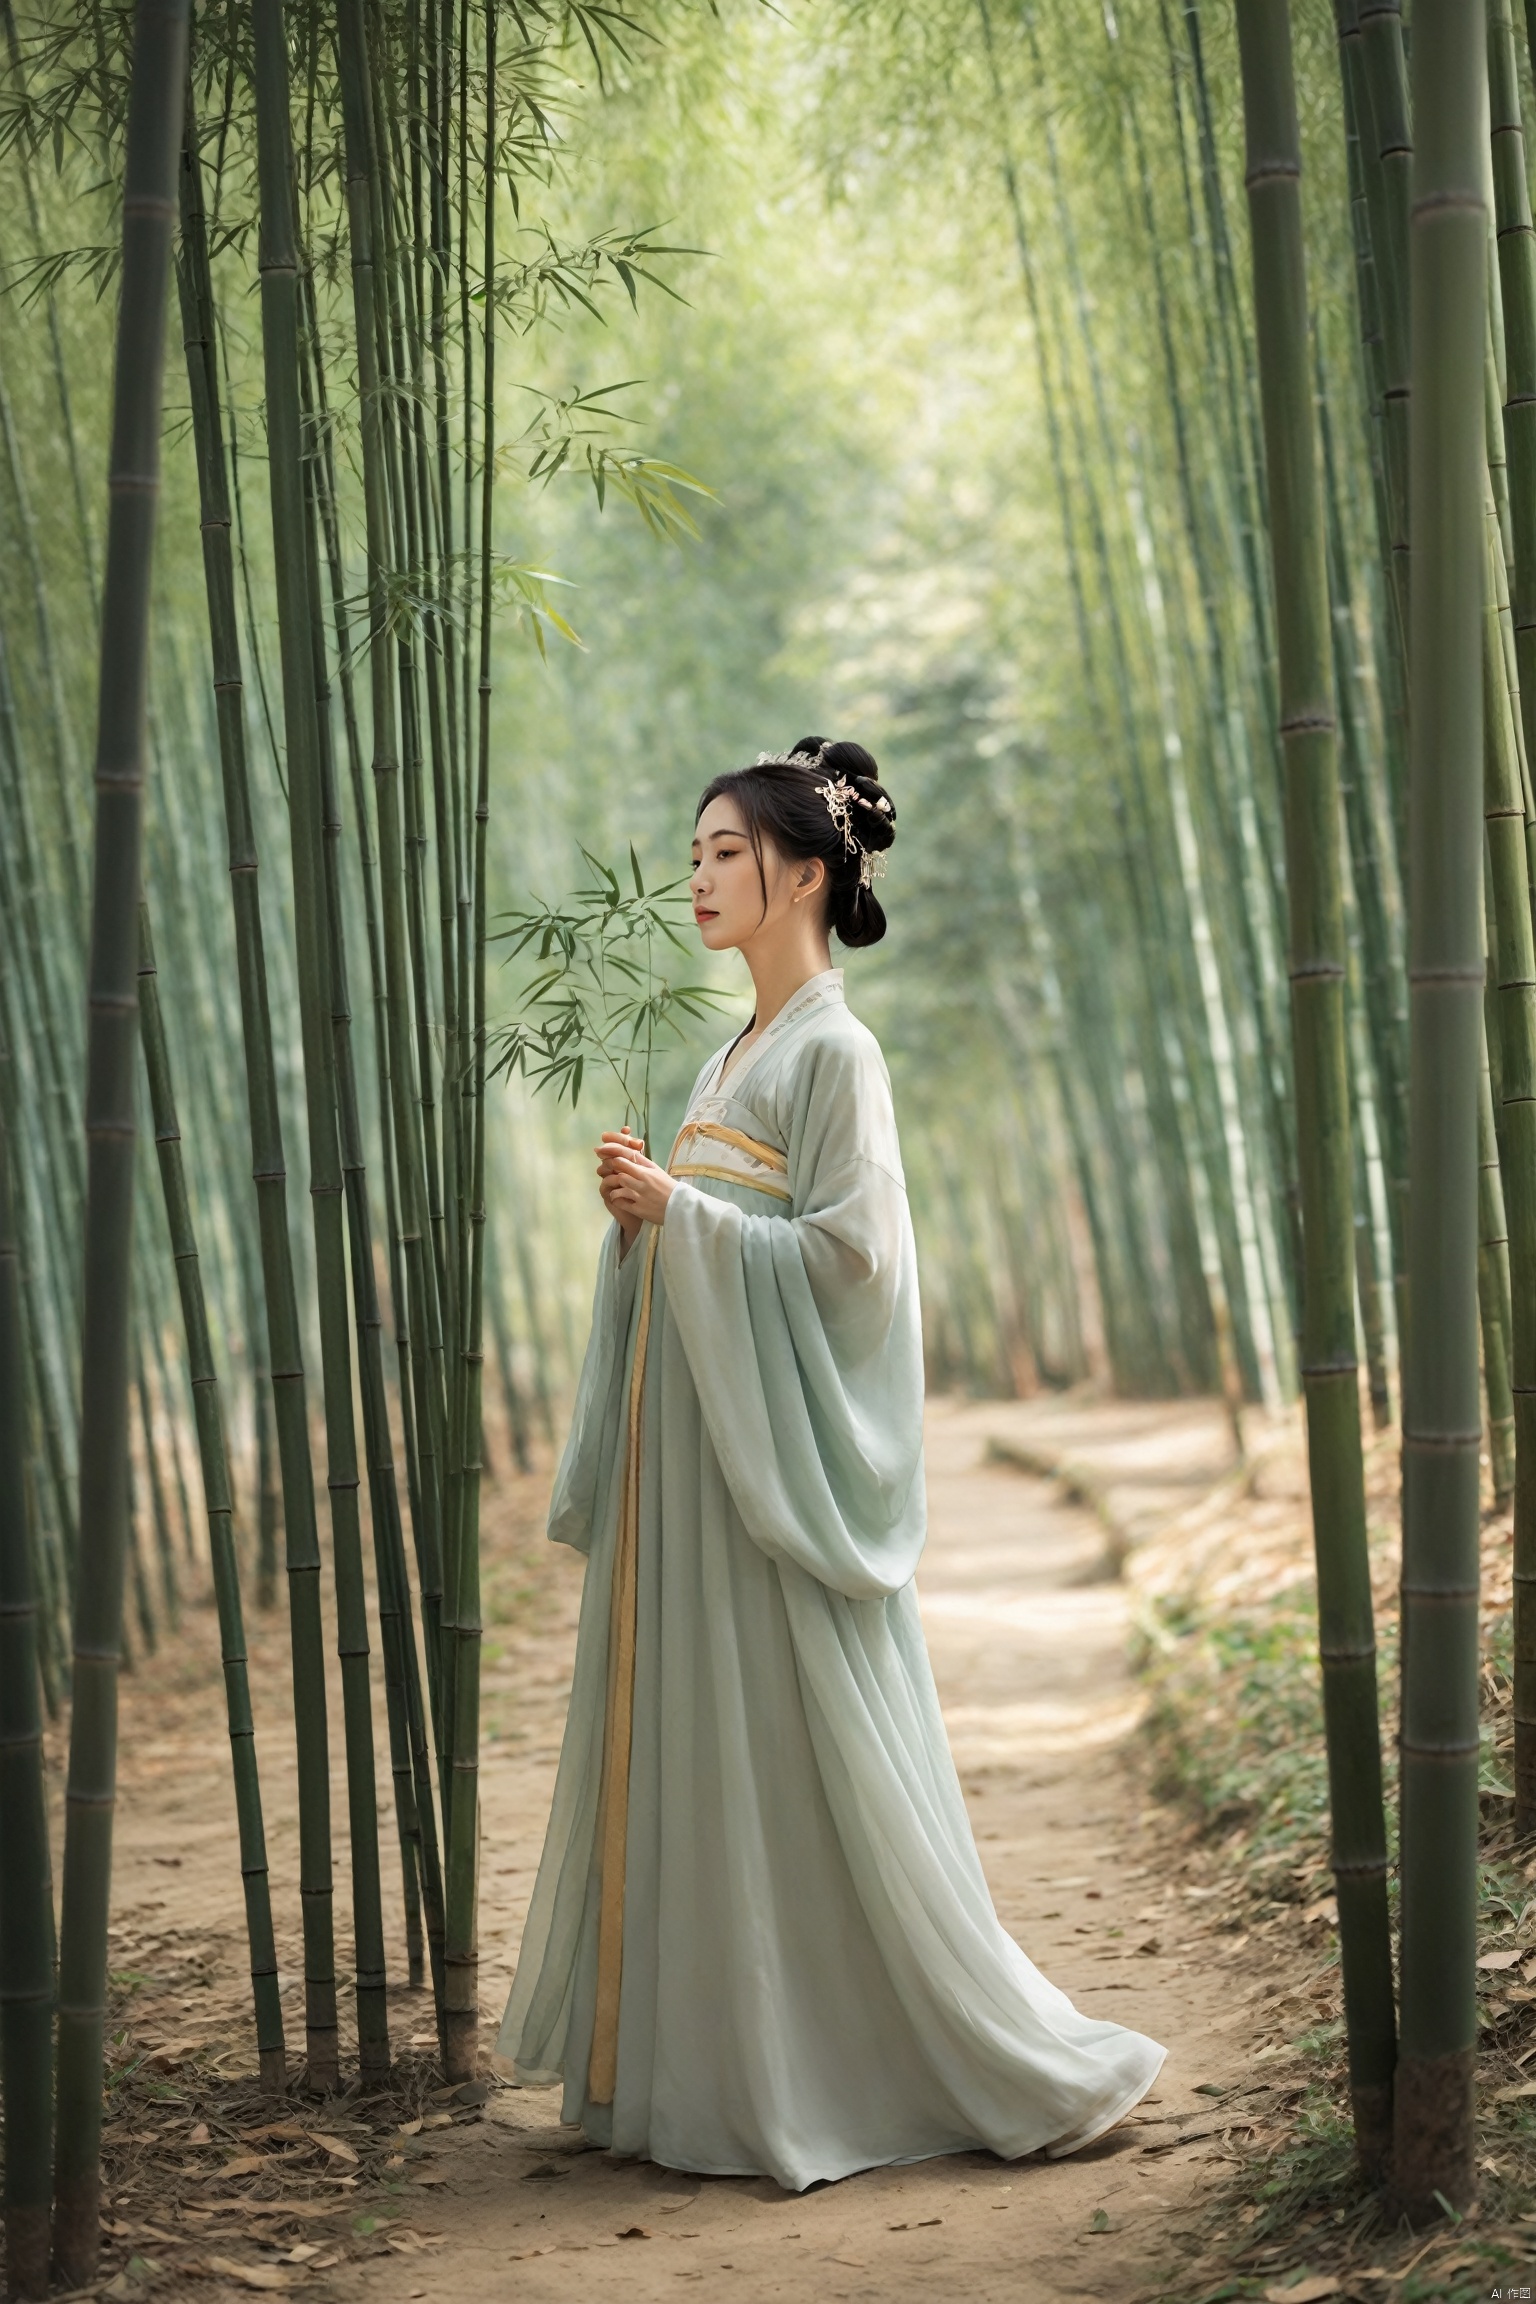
634 1190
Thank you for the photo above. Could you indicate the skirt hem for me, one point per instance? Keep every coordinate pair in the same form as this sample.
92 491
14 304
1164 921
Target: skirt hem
1077 2138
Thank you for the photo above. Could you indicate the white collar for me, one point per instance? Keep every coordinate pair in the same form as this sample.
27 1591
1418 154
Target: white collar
826 986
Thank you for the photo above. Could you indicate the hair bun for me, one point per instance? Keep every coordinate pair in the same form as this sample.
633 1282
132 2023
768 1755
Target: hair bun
836 757
821 798
877 812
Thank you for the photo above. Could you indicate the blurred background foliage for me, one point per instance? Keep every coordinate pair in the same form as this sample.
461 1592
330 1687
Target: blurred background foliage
984 493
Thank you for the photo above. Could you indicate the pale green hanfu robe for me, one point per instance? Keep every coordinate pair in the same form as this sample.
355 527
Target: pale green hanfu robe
798 1971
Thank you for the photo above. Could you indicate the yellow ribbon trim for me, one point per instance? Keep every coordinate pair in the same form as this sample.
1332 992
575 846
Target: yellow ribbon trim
732 1176
613 1799
768 1154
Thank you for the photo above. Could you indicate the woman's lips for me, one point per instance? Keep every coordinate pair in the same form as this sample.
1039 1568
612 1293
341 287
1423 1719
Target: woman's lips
698 915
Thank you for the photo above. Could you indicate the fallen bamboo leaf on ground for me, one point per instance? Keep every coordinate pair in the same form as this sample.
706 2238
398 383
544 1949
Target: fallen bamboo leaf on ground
168 2058
250 2275
278 2208
1192 2132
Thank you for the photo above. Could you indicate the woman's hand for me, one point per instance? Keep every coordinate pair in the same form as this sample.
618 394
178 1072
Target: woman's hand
634 1190
615 1140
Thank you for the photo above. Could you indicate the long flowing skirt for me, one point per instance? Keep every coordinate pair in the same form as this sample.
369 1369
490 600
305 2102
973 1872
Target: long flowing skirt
814 1979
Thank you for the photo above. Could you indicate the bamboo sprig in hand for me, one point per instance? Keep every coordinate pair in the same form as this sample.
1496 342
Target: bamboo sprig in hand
598 997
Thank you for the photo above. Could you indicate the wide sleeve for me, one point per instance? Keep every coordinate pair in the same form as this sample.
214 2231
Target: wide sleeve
581 1480
803 1337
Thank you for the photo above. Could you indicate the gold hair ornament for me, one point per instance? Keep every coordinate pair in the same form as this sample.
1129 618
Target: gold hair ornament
841 800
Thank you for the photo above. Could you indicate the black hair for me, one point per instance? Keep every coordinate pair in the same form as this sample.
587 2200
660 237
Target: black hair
779 802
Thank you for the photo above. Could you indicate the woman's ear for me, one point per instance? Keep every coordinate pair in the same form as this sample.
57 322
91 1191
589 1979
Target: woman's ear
808 877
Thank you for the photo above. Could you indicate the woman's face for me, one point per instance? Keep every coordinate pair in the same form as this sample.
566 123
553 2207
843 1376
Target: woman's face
726 890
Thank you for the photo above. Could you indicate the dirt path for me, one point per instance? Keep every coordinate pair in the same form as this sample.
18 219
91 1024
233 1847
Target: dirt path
1030 1664
1028 1640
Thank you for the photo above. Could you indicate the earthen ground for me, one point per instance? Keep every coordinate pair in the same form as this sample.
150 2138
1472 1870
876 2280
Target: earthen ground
1028 1629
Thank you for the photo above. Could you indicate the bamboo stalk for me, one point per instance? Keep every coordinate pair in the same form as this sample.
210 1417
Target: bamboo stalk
60 747
419 1296
411 1764
26 1887
170 1589
462 1950
1493 1303
220 1506
1368 234
514 1404
1388 168
1514 960
279 267
55 344
1434 2133
326 502
285 1353
410 521
149 211
1517 283
1244 454
1308 738
1372 869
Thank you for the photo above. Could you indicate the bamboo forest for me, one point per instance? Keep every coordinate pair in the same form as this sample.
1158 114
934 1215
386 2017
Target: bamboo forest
438 437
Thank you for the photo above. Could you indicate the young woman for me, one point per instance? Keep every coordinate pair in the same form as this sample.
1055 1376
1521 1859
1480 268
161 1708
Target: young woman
761 1941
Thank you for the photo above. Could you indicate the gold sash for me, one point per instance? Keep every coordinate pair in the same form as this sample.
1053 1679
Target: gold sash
613 1799
618 1729
767 1156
